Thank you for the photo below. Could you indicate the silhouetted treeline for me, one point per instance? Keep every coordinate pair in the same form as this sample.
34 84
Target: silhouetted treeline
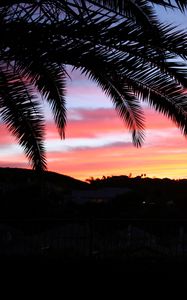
26 194
149 197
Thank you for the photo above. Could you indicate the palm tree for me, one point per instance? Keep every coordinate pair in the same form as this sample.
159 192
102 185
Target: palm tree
121 45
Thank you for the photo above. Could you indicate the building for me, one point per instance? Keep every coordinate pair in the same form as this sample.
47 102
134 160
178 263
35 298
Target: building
95 195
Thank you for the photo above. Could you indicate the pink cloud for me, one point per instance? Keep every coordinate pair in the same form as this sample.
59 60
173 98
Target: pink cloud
155 120
5 136
89 123
119 158
94 122
164 153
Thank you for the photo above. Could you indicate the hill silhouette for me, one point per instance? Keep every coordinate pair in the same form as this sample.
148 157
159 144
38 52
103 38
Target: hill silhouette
148 198
33 214
27 193
14 176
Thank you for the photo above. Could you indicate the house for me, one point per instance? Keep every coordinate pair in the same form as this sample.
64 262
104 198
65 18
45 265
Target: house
95 195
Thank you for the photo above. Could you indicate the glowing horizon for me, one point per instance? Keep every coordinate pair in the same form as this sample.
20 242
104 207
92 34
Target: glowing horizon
98 143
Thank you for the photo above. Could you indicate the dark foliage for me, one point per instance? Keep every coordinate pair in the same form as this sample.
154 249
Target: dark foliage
121 45
26 195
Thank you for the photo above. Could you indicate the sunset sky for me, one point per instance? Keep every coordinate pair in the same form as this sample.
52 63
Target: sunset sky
97 141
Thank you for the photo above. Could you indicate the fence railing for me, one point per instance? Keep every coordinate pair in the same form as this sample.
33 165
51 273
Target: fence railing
96 238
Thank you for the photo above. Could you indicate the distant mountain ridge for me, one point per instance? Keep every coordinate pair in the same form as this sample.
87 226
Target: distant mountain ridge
26 193
19 175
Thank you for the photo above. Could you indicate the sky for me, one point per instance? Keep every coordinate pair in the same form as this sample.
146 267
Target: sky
97 141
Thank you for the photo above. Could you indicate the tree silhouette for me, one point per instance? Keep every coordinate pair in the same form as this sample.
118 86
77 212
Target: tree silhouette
121 45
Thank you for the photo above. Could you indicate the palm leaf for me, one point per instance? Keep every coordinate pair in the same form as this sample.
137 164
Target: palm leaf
49 78
124 100
21 113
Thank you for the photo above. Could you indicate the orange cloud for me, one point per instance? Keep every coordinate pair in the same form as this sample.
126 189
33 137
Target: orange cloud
119 158
164 153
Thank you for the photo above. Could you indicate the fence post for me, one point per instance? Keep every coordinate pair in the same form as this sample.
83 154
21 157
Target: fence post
129 235
181 240
91 238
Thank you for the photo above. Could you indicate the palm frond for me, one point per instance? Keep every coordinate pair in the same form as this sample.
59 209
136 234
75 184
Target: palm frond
147 84
32 62
21 113
121 45
181 4
125 102
140 11
49 79
168 101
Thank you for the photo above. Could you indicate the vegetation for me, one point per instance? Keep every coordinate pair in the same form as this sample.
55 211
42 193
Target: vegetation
37 223
121 45
25 196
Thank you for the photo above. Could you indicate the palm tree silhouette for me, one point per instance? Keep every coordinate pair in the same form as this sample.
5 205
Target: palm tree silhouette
121 45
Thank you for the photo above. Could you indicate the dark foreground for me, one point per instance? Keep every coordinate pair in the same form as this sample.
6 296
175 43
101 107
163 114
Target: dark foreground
139 271
90 279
